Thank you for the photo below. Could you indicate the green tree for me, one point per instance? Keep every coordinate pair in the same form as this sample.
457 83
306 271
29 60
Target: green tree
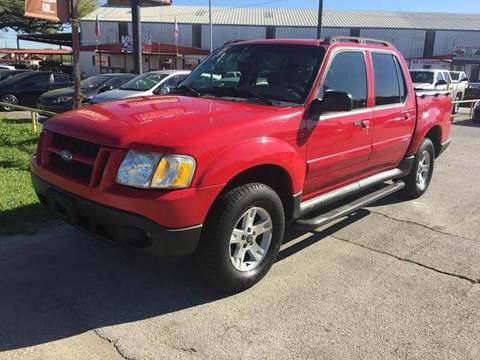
11 13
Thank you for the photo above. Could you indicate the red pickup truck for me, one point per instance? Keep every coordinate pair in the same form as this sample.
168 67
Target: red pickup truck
218 167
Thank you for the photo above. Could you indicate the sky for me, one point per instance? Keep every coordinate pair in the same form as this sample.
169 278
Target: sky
8 39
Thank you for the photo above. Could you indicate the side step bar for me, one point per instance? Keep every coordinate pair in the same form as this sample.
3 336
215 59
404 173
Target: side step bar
353 206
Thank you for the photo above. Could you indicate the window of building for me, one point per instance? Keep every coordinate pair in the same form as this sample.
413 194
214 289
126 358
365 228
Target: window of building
270 32
122 30
348 73
387 84
197 35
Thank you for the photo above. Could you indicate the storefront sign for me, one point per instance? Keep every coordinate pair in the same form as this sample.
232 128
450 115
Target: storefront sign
53 10
127 44
429 64
466 52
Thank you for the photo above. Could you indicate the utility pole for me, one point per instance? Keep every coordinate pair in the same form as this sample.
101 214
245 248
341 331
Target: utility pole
210 23
77 99
320 14
136 37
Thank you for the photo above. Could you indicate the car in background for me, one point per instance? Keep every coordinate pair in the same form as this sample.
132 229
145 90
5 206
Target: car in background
150 83
61 100
5 74
25 88
7 67
437 79
459 86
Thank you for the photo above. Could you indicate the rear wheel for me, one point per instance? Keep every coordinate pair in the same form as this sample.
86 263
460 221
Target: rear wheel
9 99
242 237
417 182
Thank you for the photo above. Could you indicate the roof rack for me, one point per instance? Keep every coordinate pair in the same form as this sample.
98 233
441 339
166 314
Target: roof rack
359 40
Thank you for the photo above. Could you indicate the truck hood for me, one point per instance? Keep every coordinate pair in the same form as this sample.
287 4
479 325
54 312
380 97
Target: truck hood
162 121
118 94
427 86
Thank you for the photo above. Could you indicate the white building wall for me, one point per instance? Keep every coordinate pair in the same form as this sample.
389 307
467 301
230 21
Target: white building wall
445 41
308 33
409 42
224 33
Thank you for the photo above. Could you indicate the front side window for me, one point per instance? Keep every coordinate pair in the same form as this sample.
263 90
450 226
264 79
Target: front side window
347 73
387 85
273 72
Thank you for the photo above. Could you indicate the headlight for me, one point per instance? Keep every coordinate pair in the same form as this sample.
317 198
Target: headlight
153 170
62 99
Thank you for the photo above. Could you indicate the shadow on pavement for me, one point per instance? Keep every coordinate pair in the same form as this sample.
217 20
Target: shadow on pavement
61 283
468 122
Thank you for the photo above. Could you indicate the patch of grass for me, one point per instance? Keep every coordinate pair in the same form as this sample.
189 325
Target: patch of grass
20 210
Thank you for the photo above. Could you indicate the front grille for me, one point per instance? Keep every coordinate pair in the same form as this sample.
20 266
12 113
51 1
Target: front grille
75 159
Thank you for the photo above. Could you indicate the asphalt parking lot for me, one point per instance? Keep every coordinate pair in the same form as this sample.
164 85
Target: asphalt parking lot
397 280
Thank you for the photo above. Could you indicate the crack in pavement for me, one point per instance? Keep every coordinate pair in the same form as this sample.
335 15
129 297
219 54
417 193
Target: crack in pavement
411 222
458 276
114 344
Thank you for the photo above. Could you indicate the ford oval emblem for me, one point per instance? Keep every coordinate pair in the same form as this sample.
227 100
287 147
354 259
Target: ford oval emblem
66 155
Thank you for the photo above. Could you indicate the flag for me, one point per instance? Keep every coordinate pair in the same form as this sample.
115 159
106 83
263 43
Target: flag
176 32
97 28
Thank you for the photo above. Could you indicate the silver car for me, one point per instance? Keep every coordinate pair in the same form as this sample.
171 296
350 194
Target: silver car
150 83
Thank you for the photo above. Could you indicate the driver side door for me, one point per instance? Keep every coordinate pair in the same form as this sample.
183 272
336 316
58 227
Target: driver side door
340 143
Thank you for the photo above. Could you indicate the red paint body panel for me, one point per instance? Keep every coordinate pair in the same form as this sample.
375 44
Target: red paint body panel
226 138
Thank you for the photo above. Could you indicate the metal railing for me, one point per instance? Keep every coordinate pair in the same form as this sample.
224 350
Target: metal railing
472 104
33 112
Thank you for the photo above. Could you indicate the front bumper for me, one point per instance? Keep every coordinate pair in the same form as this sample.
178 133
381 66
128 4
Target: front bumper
116 225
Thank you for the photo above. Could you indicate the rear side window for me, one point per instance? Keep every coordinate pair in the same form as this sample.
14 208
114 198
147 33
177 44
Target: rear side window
389 82
60 78
401 80
347 73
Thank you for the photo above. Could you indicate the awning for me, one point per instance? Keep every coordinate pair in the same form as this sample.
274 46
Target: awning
63 39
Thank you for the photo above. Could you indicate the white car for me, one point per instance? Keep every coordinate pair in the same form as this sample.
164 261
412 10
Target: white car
437 79
150 83
6 67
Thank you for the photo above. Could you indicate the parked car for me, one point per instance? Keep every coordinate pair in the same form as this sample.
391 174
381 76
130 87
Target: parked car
61 100
150 83
220 171
7 67
437 79
459 87
5 74
25 88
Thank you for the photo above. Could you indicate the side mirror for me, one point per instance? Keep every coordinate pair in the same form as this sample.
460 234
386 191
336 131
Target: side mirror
441 83
332 101
105 88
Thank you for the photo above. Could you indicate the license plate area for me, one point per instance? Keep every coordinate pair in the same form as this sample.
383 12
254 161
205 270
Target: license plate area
62 205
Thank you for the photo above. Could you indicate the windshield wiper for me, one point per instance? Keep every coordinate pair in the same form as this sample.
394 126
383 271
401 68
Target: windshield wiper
185 89
245 93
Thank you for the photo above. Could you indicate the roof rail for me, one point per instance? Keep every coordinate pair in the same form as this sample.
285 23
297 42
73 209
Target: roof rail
358 40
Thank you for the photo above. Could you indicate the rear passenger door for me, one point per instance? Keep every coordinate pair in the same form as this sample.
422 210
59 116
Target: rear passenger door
339 145
394 112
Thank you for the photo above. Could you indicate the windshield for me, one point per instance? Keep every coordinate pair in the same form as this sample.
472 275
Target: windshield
144 82
93 82
455 76
422 76
274 72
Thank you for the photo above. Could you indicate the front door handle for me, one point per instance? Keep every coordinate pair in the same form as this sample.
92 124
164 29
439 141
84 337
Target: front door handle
365 124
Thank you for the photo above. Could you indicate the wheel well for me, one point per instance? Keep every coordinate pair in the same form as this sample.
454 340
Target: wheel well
272 175
435 134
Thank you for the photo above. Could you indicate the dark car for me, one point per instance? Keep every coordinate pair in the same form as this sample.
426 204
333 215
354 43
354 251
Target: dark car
25 88
5 74
61 100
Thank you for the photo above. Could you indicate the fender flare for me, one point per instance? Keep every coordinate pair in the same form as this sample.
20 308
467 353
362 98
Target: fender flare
238 158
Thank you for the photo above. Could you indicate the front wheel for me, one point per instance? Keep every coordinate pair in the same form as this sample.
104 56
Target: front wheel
9 99
242 237
417 182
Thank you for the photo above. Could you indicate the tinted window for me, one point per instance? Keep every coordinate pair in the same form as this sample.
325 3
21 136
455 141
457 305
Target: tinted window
40 79
422 76
278 72
60 78
387 87
401 81
455 76
347 73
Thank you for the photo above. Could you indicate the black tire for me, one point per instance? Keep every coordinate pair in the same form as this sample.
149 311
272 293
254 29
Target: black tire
215 250
412 188
11 99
